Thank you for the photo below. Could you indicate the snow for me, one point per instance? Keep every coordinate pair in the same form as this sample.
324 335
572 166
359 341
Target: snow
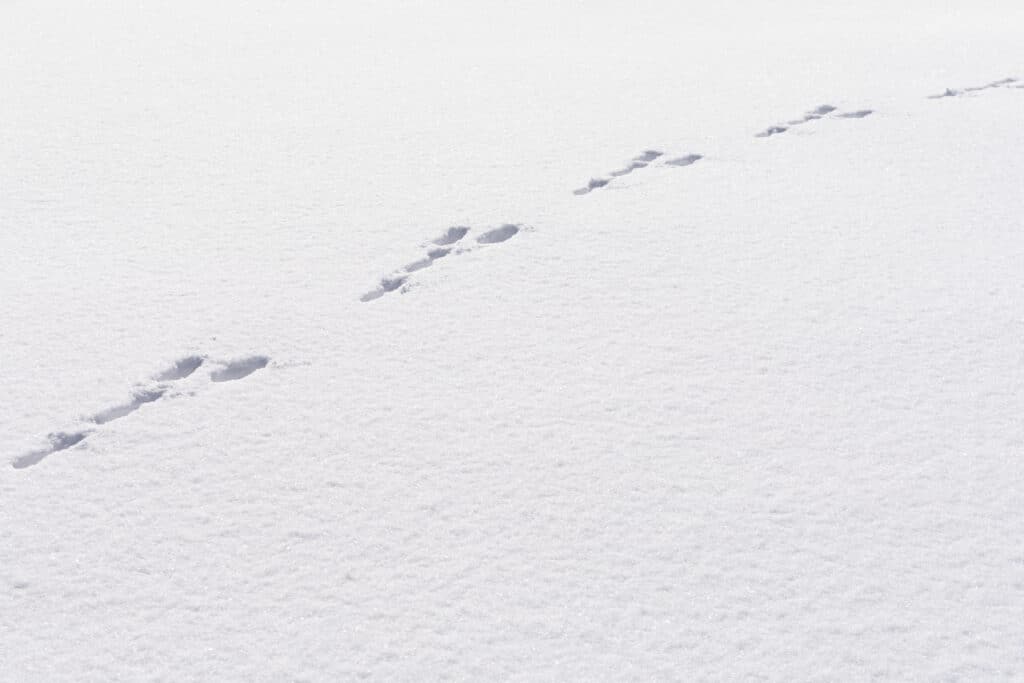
318 364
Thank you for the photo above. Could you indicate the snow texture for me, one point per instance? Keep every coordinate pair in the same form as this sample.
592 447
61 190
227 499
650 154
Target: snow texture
676 382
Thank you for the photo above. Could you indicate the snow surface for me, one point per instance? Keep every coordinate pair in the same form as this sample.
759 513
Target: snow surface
318 364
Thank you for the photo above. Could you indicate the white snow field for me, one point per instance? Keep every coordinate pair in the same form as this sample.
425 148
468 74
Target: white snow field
511 341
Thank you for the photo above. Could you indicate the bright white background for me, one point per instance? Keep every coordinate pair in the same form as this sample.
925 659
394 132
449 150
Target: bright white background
758 417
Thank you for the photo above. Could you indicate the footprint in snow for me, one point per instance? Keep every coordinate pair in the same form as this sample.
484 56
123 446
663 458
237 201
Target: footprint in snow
59 441
180 370
641 160
770 131
444 246
505 232
138 400
859 114
239 368
428 260
451 235
387 284
592 185
951 92
684 160
812 115
815 114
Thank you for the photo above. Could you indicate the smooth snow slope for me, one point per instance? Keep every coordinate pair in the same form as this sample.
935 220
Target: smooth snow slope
750 409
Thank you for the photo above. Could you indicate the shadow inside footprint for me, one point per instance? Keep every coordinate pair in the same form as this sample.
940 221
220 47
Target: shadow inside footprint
813 115
419 265
59 441
592 185
648 155
950 92
685 161
774 130
139 400
859 114
994 84
629 169
181 369
498 234
239 369
432 256
388 284
452 235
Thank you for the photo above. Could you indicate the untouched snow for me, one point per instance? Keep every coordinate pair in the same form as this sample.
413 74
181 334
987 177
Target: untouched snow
441 340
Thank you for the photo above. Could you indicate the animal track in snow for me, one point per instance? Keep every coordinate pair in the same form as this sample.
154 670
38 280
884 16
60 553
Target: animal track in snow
181 369
387 284
591 185
641 160
432 256
685 160
994 84
239 368
59 441
859 114
399 280
451 235
770 131
815 114
950 92
505 232
625 171
138 400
